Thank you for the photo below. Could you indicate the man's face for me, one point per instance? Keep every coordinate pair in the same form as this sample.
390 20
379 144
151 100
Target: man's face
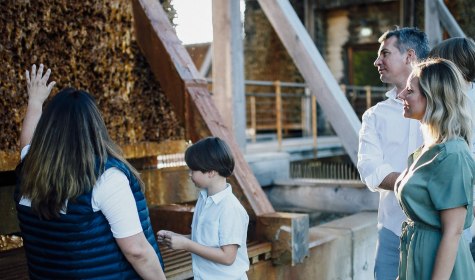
393 67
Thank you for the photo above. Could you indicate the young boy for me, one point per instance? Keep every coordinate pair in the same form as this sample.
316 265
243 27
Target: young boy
219 227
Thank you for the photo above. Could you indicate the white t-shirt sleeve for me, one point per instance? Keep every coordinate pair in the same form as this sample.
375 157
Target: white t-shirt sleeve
112 195
24 151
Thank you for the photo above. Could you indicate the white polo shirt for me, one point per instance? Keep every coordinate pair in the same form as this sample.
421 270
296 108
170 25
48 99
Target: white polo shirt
220 220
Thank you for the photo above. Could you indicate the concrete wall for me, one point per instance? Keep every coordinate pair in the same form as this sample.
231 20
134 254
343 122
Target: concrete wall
342 249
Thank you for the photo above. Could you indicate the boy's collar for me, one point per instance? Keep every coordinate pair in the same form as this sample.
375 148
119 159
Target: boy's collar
217 197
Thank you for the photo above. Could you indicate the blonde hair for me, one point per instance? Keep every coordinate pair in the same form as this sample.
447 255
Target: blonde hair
68 153
447 114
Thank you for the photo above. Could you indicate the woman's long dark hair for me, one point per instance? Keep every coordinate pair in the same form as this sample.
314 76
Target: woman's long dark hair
68 151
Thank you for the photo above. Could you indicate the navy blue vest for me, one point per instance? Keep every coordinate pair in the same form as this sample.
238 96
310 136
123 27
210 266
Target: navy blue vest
80 245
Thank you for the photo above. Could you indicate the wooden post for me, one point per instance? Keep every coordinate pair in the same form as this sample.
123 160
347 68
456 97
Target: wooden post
253 118
306 113
228 67
206 65
448 21
314 123
432 23
288 233
278 113
368 96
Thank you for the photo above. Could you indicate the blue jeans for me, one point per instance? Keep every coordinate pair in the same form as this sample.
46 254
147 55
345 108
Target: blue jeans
472 248
387 255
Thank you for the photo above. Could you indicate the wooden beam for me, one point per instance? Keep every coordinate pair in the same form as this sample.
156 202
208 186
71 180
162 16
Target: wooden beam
448 21
187 91
288 233
432 23
206 65
315 72
228 67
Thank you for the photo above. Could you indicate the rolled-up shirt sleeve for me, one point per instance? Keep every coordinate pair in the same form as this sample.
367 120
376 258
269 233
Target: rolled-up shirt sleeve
371 165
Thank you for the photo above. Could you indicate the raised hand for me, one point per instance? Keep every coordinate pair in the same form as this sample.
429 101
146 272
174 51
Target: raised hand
38 89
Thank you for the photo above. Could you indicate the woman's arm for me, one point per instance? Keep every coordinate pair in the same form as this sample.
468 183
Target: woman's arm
452 228
225 255
141 256
38 91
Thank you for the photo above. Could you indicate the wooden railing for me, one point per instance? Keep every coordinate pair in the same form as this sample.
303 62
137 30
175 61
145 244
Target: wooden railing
286 109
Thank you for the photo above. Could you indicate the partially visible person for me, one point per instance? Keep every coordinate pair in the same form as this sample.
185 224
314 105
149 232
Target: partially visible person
80 204
219 226
436 190
386 140
461 51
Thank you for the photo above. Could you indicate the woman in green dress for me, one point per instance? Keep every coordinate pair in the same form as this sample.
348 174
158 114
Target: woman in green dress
436 190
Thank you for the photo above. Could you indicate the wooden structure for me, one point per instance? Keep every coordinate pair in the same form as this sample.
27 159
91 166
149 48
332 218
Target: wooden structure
436 13
188 93
228 70
315 71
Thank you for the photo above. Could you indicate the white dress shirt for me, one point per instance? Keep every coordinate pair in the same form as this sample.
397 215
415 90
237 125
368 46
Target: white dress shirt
386 140
220 220
471 99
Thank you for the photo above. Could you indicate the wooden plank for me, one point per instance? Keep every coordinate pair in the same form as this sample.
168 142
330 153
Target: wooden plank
13 264
448 21
206 65
178 264
187 91
288 233
432 23
315 72
258 249
228 67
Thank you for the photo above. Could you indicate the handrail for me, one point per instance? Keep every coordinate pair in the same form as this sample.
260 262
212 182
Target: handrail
273 98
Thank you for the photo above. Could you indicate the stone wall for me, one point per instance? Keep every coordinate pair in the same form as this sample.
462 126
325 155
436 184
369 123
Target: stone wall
265 56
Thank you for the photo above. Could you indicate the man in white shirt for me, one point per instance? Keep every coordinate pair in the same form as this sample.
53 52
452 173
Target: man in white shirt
387 139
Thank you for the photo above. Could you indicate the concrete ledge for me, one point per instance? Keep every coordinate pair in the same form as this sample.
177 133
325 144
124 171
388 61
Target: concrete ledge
338 198
363 230
341 249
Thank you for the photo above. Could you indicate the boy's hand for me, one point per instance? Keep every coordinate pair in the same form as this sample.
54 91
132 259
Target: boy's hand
172 240
161 235
176 242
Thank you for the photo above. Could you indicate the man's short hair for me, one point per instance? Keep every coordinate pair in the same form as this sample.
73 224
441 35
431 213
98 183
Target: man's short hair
409 38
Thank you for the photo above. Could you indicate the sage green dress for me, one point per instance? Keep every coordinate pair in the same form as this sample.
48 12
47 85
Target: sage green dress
441 178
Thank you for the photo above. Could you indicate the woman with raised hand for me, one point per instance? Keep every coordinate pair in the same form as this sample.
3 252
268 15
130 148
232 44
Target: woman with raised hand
80 204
